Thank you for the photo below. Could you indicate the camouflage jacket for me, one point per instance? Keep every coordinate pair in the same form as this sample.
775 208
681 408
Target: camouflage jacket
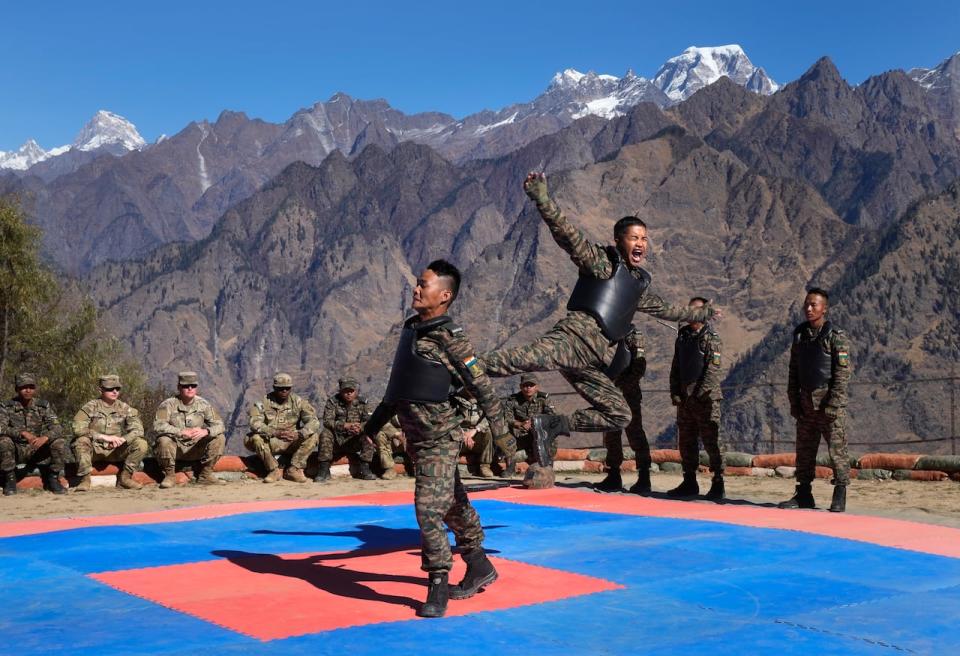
837 345
336 413
38 418
591 259
173 416
267 416
98 417
425 422
708 385
518 409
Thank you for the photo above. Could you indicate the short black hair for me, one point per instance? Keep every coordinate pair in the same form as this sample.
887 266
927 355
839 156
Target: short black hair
623 224
444 269
698 298
819 291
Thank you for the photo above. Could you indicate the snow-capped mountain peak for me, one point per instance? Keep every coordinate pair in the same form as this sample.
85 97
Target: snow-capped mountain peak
108 129
24 157
696 67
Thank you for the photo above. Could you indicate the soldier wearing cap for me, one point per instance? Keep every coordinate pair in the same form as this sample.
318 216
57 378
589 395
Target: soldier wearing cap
519 409
283 423
342 434
107 429
30 433
188 428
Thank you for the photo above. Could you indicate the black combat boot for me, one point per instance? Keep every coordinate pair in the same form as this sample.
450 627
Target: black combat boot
10 483
546 428
612 483
323 473
839 503
480 574
364 472
437 596
802 498
717 490
689 487
52 481
642 486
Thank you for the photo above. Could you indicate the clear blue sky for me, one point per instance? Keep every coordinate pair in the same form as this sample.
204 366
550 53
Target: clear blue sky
164 64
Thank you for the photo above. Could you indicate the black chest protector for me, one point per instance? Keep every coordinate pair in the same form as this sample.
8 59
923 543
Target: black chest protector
690 355
814 359
612 301
414 377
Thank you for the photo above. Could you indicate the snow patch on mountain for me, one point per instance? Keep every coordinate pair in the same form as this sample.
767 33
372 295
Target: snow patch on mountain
696 67
108 129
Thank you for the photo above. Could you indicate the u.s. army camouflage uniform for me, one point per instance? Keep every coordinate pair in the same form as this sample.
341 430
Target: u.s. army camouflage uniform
335 441
119 419
576 345
698 402
434 437
821 412
172 417
482 452
38 418
269 417
390 432
517 409
628 382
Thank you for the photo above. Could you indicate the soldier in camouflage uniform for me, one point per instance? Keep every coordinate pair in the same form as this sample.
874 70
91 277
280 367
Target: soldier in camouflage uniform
343 417
188 428
390 440
283 423
588 345
628 382
519 409
695 377
30 433
433 357
108 430
817 389
479 447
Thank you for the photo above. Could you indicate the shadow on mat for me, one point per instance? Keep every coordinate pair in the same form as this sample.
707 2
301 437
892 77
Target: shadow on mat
335 579
374 536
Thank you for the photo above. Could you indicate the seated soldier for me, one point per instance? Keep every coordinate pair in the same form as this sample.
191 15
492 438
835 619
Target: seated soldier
108 430
283 423
390 441
30 434
478 439
342 435
188 428
519 409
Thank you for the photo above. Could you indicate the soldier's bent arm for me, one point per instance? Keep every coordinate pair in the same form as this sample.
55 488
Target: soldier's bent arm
81 423
50 426
589 257
6 426
712 373
308 421
383 413
258 420
676 389
655 306
330 417
840 370
213 422
793 381
161 421
132 425
463 359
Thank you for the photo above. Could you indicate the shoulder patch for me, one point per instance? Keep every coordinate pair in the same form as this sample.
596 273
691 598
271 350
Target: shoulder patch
716 358
473 366
843 359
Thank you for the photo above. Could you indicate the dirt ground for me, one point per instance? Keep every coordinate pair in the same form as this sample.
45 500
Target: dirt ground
929 502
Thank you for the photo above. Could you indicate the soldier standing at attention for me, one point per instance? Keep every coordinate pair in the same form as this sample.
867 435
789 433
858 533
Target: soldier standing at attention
434 358
108 430
30 433
588 346
283 423
817 389
695 377
343 417
628 382
188 428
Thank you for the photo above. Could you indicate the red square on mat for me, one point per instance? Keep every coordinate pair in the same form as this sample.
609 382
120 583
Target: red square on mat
269 596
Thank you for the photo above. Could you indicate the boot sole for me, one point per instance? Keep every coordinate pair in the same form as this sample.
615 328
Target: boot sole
458 593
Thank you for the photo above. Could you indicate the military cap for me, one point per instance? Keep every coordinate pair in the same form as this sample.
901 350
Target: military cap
188 378
24 379
529 378
282 380
109 380
348 383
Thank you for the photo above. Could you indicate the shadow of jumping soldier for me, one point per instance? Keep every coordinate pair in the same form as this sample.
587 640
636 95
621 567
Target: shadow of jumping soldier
335 579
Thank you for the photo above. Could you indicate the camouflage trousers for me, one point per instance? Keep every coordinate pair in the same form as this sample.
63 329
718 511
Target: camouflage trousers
207 450
298 449
385 448
330 449
482 451
87 451
629 384
812 426
53 454
440 498
698 419
562 351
